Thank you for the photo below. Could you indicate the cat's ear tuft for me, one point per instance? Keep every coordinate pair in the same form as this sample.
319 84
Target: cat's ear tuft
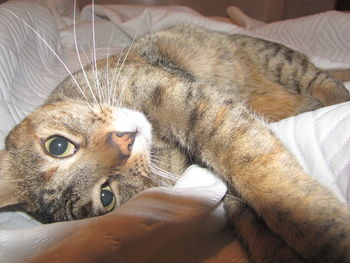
8 191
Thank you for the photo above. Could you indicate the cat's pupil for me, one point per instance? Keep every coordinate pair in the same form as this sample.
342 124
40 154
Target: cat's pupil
106 197
58 146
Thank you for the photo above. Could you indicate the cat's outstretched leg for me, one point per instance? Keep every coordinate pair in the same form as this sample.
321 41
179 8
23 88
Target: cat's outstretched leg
244 152
262 245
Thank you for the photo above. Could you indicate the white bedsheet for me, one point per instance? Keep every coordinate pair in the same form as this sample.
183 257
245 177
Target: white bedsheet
29 70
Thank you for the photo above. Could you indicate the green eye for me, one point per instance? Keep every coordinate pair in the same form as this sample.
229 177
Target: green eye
59 147
107 198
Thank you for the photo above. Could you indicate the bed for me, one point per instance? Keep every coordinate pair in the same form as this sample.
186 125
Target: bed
35 33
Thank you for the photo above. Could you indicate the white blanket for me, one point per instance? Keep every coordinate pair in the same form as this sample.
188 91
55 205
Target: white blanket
30 70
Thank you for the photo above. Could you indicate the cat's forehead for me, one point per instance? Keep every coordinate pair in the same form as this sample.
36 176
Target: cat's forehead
68 118
74 112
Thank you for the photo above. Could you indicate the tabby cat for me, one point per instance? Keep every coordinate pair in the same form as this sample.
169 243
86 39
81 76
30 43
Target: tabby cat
185 94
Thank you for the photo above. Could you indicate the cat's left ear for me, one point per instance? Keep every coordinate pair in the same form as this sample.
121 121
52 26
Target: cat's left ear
8 191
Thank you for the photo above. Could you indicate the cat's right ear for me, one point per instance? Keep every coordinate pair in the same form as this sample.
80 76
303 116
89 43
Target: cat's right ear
8 192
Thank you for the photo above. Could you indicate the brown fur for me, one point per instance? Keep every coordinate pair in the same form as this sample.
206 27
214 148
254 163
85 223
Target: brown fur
194 86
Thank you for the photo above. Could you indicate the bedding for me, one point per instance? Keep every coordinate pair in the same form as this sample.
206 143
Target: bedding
30 70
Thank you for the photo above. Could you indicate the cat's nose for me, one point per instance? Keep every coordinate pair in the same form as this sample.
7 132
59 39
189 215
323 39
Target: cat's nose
122 142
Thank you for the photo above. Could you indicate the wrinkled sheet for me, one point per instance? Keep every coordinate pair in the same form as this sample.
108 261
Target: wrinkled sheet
30 70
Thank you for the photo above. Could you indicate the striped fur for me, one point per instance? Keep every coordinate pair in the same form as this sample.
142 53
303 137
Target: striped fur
202 92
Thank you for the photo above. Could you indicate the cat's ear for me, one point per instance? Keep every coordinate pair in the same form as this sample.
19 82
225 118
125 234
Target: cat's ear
8 191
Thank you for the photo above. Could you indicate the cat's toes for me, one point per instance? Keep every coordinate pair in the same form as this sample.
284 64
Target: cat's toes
336 96
332 94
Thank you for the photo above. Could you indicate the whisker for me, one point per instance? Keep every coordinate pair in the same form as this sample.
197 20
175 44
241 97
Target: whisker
108 87
112 99
11 180
89 61
97 81
78 54
157 152
120 69
157 180
159 159
235 197
23 193
123 86
164 174
157 170
54 53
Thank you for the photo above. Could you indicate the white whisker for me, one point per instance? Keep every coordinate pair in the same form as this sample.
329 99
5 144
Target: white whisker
159 171
113 89
158 181
108 87
160 160
121 67
97 81
89 61
235 197
123 86
78 54
11 180
54 53
23 193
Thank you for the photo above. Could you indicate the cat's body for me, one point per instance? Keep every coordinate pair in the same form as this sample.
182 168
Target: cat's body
197 89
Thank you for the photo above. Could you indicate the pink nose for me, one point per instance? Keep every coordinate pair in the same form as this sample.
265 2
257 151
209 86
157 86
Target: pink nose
122 142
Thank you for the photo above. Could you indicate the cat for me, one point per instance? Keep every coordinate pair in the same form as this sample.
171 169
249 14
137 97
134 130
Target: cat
186 95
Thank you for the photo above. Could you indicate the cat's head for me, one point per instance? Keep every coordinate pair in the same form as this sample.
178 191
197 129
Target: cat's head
66 161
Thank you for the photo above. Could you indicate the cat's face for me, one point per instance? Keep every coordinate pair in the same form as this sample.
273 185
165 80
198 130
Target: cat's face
66 161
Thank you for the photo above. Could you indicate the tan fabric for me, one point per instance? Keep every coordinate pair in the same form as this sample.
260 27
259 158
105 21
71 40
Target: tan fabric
155 226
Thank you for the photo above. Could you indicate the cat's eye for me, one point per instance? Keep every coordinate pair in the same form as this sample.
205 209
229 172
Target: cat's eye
59 147
107 197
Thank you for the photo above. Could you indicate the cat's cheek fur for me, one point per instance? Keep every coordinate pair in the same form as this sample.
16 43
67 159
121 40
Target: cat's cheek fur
8 191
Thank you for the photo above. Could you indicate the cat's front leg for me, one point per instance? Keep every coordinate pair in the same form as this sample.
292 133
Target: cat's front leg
243 151
262 245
